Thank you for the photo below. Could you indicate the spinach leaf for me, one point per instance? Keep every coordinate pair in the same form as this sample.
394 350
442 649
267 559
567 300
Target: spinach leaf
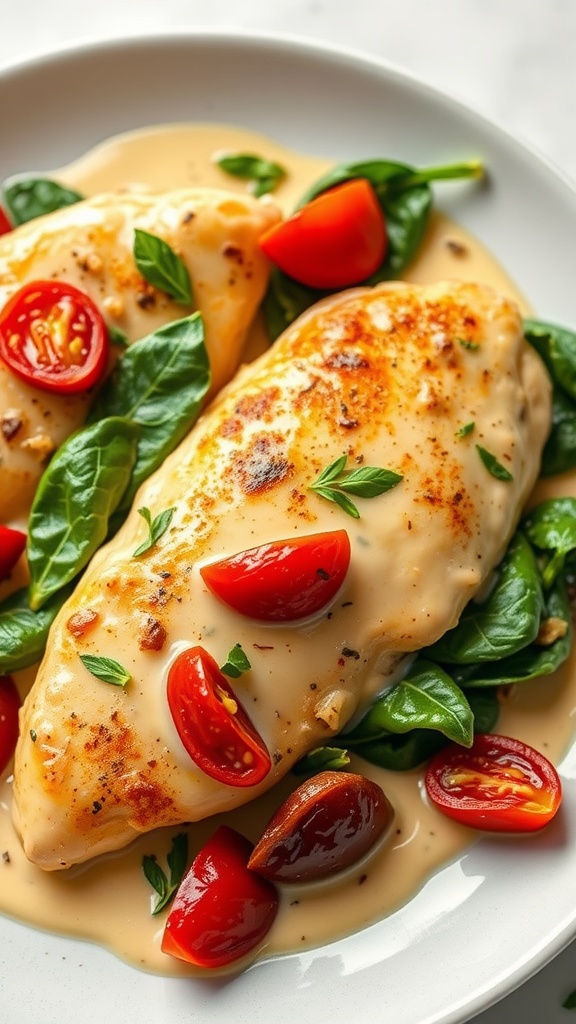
77 494
533 660
507 620
28 197
551 527
322 759
557 348
23 633
159 384
400 752
159 264
427 698
405 196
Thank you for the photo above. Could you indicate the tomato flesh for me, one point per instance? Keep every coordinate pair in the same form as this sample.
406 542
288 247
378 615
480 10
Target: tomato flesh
9 708
222 910
5 225
12 544
284 580
500 784
212 724
338 239
53 337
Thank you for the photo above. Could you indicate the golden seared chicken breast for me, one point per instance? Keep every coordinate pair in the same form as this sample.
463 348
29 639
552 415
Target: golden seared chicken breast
379 378
90 245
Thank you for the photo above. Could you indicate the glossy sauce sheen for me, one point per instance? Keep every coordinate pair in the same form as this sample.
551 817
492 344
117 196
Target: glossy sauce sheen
109 900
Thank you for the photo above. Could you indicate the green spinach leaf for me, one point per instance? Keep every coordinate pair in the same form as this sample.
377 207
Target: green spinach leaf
159 384
559 453
557 348
322 759
551 527
77 494
26 197
507 620
427 698
23 633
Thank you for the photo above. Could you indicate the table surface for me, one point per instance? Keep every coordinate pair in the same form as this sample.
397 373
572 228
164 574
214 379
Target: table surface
512 60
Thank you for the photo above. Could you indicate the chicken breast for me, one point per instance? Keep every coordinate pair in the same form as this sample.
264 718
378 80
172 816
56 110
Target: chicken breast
388 377
90 245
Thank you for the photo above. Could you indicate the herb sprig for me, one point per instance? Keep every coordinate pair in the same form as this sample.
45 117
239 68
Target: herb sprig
236 663
263 175
336 482
106 669
162 267
156 528
177 859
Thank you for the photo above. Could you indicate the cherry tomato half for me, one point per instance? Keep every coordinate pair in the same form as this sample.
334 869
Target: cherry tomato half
212 724
284 580
54 337
221 910
338 239
9 707
5 225
499 785
12 544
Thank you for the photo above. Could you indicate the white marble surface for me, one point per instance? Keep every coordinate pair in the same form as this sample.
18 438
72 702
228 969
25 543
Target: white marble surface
513 60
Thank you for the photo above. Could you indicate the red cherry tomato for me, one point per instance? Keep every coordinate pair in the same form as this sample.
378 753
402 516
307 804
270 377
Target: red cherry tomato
221 910
212 724
53 337
499 784
284 580
12 544
5 225
9 707
338 239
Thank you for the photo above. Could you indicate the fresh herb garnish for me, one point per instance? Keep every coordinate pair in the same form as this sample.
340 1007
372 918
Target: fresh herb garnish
177 859
263 175
335 483
466 429
26 198
156 528
117 337
106 669
322 759
236 663
473 346
492 465
160 265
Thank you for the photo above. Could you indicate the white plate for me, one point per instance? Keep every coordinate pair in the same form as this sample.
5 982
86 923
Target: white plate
485 923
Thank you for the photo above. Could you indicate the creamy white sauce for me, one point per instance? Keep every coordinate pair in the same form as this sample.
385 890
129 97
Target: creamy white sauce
109 900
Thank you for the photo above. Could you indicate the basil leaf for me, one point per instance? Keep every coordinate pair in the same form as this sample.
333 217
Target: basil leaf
495 468
466 429
23 633
400 752
507 620
27 197
76 496
237 663
533 660
427 698
160 384
264 175
177 860
156 528
406 199
366 482
159 264
322 759
106 669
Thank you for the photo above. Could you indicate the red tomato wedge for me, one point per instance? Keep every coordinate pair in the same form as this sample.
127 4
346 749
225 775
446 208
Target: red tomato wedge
284 580
53 337
9 708
221 911
500 785
212 724
5 225
12 544
338 239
